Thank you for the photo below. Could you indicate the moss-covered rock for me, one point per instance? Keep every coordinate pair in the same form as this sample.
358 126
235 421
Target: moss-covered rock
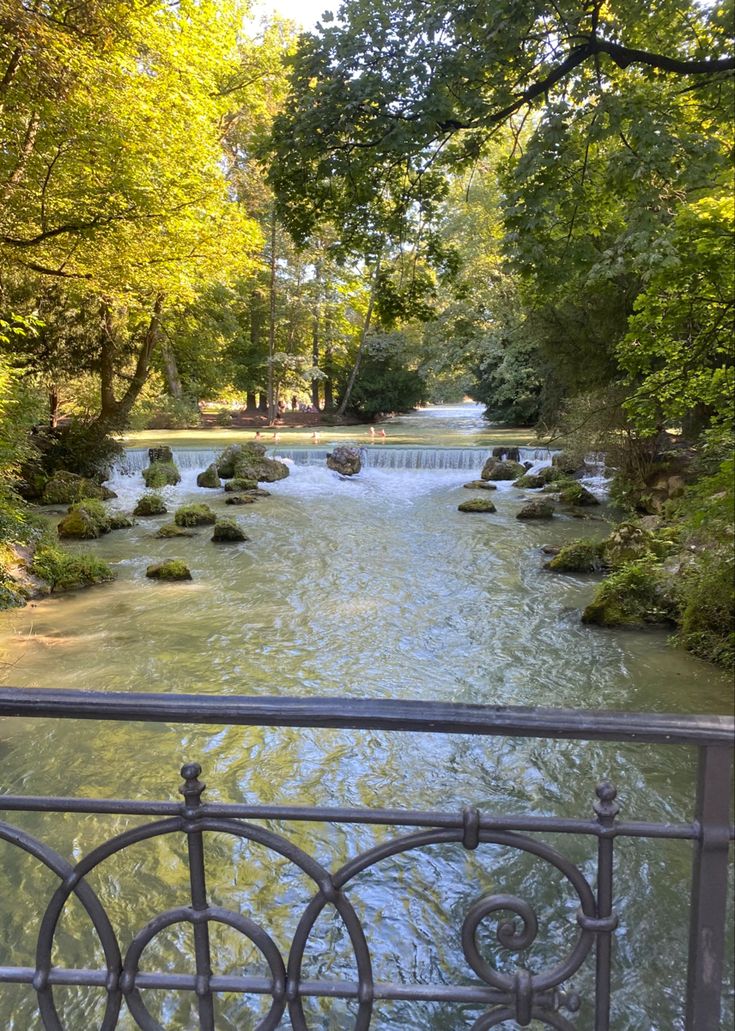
209 478
573 493
238 453
569 463
194 515
150 505
639 593
172 569
502 470
161 474
238 485
120 521
268 470
530 481
480 485
240 499
477 505
85 520
345 460
65 488
66 572
226 530
630 541
169 530
583 556
539 508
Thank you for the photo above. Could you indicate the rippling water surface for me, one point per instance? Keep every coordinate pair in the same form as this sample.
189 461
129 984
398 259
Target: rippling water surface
372 587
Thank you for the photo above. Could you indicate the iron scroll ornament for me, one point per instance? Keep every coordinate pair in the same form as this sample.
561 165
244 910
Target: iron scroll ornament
519 996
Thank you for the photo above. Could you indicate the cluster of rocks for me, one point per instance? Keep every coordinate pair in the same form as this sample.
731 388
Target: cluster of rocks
641 564
555 480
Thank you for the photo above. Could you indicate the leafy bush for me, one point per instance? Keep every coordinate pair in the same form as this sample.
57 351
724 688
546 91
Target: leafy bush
224 417
79 447
64 571
166 413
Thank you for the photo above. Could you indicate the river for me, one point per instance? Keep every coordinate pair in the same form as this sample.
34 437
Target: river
372 587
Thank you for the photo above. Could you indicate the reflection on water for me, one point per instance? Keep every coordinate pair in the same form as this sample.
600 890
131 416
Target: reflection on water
372 587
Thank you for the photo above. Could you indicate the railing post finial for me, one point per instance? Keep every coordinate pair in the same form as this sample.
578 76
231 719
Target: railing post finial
606 806
192 788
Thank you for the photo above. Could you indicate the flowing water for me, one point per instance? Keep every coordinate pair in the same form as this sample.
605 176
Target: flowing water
371 587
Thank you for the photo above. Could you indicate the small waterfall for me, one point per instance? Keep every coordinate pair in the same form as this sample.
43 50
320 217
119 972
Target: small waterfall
464 459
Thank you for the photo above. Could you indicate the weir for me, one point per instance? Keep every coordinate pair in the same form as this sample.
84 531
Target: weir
467 459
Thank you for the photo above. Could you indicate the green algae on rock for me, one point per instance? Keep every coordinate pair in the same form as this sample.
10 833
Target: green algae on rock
480 485
477 505
150 505
65 488
240 499
494 469
172 530
226 530
238 484
209 478
539 508
194 515
171 569
638 594
86 520
581 556
161 474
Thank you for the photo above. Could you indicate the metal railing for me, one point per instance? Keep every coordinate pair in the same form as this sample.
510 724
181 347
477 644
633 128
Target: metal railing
520 996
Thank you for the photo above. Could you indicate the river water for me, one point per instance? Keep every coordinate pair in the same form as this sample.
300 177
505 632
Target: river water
371 587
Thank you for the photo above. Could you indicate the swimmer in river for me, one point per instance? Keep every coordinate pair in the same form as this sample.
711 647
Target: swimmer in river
276 437
257 434
381 433
315 437
372 432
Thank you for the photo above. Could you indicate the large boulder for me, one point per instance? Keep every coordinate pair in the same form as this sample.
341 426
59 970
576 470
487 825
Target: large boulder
630 542
569 464
495 469
237 485
582 556
268 470
65 488
530 481
227 530
238 454
539 508
640 593
86 520
150 505
160 454
667 479
161 474
573 493
209 478
345 460
172 569
477 505
194 515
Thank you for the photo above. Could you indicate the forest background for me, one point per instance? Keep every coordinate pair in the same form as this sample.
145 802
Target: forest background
526 202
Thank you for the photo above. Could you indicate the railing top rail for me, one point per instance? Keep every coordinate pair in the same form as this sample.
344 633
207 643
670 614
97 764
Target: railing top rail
371 714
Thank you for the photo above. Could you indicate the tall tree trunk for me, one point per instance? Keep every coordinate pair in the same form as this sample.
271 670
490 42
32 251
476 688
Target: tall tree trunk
272 407
171 370
53 405
315 335
113 412
363 337
251 401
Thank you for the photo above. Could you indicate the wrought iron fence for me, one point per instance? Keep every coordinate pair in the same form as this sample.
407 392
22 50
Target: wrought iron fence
520 996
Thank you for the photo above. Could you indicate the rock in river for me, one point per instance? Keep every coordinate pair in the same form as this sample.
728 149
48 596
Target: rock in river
345 460
477 505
